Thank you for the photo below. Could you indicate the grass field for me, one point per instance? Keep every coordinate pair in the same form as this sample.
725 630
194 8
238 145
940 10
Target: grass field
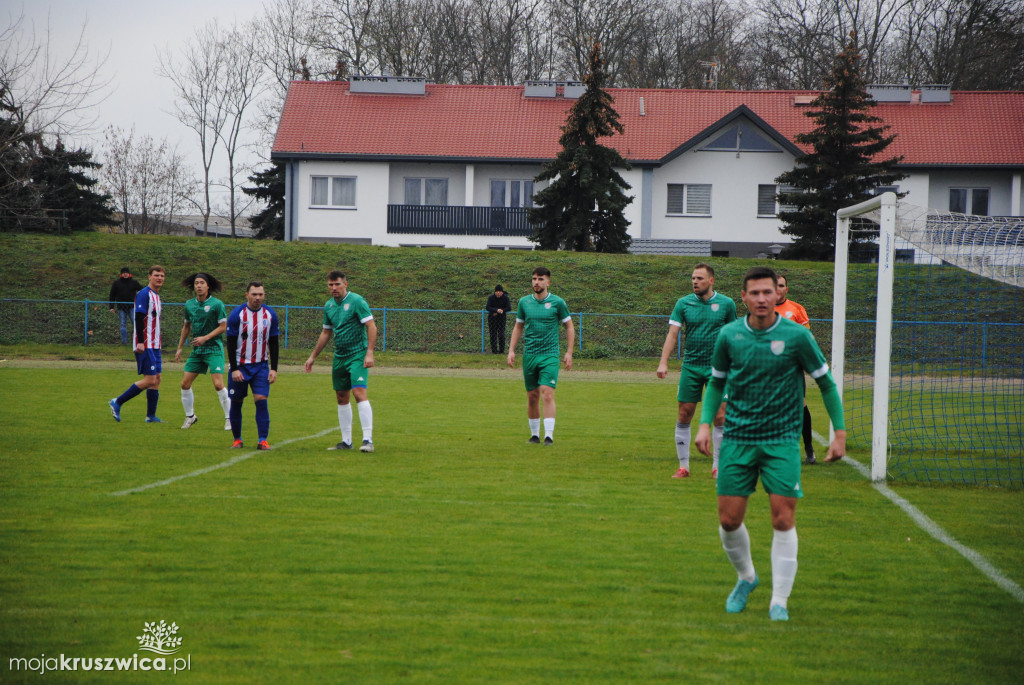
457 553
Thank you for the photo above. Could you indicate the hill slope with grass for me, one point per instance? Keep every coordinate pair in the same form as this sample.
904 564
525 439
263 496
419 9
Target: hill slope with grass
82 266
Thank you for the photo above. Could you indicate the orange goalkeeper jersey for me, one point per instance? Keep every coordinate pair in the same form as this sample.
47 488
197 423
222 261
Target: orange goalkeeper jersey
794 312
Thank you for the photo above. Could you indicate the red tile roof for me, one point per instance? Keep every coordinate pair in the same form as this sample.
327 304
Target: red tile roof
323 119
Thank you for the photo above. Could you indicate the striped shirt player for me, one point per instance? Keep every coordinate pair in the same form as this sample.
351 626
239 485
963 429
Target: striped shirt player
347 317
252 337
762 359
538 319
204 325
703 312
146 338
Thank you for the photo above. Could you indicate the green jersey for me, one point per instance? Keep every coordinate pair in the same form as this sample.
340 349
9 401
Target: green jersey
703 319
204 317
541 320
764 371
347 318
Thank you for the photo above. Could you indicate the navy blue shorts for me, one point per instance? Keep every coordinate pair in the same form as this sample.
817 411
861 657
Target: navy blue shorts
255 376
149 363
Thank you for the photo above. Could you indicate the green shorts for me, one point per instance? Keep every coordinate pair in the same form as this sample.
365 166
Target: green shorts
539 371
203 358
692 380
349 372
778 466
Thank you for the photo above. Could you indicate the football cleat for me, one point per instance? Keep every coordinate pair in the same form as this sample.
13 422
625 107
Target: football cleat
189 422
227 424
737 600
548 442
681 473
115 409
237 444
534 440
778 613
810 460
263 445
341 446
367 446
154 419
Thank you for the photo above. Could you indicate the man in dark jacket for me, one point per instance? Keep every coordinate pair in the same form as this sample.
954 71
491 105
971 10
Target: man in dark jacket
498 305
122 299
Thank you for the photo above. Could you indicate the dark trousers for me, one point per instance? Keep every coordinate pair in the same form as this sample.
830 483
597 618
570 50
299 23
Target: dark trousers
497 326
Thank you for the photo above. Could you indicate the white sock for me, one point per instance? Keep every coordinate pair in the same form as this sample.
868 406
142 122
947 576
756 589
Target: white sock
345 422
784 547
683 445
737 547
549 428
365 419
188 401
716 441
225 402
535 427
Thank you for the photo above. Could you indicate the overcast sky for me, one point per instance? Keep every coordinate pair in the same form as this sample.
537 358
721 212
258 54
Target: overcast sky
132 31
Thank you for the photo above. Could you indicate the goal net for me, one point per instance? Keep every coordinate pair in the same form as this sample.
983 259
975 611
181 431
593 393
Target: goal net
928 342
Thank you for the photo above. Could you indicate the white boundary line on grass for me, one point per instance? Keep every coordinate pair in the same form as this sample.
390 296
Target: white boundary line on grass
934 529
208 469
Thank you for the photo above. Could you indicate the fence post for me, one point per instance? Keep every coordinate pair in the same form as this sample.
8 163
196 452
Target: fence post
580 336
87 322
483 322
286 327
384 337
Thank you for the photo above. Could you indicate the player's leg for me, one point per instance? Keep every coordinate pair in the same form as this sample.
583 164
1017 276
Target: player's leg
188 399
260 385
360 376
717 433
683 419
547 379
341 381
780 475
222 397
237 391
737 478
531 377
145 366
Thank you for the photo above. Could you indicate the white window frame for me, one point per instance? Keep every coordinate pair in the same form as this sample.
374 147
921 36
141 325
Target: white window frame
332 202
969 204
524 199
423 189
775 204
687 198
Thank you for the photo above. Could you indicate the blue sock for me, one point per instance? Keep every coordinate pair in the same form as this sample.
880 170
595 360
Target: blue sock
132 391
236 419
152 396
262 419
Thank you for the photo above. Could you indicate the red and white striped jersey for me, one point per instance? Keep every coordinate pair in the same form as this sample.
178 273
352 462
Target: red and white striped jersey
148 302
252 331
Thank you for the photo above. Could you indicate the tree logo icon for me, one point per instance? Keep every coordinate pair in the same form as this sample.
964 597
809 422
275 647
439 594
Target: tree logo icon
159 638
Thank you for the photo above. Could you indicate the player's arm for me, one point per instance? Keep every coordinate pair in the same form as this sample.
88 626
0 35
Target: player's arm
186 327
517 332
570 337
274 347
814 363
199 340
667 347
713 395
371 342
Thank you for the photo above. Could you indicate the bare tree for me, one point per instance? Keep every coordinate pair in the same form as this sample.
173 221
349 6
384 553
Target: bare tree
148 181
197 75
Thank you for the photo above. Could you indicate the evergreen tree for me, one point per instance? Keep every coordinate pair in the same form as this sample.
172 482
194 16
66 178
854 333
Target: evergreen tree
268 186
582 209
843 167
67 188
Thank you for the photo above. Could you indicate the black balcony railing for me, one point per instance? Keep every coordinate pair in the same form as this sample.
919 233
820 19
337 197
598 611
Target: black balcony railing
445 220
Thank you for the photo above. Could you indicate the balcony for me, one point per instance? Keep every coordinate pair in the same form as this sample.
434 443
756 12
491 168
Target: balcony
447 220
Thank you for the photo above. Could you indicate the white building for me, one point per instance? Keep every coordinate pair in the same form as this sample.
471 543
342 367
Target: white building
398 161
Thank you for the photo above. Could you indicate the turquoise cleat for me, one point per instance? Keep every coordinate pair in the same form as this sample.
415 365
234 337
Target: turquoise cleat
737 601
778 613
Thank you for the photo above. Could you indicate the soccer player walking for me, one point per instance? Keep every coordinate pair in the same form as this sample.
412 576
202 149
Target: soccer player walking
347 317
206 319
797 314
762 358
537 320
252 335
146 337
704 312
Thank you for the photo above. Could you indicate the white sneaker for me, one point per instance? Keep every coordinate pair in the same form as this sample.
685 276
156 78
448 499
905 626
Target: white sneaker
189 421
227 424
367 446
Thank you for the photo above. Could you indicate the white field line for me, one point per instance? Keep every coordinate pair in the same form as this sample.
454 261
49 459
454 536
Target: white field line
208 469
934 529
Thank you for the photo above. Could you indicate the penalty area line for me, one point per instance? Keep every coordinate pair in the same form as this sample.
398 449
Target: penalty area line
934 529
209 469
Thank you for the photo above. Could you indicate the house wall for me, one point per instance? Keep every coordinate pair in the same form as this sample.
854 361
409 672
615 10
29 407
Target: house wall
455 173
998 182
367 222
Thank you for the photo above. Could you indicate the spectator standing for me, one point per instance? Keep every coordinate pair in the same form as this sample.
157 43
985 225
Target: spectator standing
497 307
122 299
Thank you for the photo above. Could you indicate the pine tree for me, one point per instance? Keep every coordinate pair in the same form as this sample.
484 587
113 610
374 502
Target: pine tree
843 167
582 209
268 186
62 175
